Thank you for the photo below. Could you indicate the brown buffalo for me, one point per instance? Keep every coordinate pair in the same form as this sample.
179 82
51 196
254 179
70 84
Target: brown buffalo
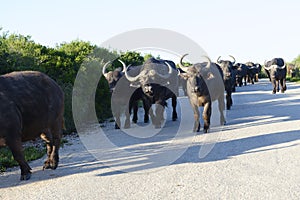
205 84
32 105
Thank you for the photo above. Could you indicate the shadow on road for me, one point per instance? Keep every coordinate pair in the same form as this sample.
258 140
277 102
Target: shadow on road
253 106
228 149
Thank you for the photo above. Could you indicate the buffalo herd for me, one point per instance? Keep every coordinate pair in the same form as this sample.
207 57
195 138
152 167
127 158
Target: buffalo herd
157 80
32 104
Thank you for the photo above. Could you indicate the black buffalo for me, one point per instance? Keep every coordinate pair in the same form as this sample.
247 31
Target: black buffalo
32 105
276 71
253 71
124 97
159 82
241 74
291 70
229 76
205 84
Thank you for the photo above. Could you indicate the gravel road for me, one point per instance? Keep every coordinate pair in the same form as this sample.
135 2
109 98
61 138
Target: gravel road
255 156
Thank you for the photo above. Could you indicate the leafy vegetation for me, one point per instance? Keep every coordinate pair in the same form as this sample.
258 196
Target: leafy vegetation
7 160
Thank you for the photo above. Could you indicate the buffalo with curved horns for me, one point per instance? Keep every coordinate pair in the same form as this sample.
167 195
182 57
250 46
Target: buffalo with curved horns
276 71
124 97
204 85
241 74
159 82
253 71
229 76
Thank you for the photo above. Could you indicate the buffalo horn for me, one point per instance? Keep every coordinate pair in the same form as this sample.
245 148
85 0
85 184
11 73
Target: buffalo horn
165 76
131 78
268 68
104 69
123 64
209 61
184 68
232 58
218 60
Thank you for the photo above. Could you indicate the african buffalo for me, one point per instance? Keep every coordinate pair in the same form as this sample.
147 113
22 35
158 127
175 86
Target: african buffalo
124 97
276 71
32 105
253 71
241 74
291 70
204 85
229 74
159 82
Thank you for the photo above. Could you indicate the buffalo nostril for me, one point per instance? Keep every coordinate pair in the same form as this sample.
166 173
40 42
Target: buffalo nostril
152 72
196 88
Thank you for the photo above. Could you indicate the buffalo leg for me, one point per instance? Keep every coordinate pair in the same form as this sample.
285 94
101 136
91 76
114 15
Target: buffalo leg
159 112
221 105
17 151
274 86
147 106
197 118
133 104
118 120
154 117
54 157
52 139
256 78
174 104
282 85
127 117
135 111
228 100
206 116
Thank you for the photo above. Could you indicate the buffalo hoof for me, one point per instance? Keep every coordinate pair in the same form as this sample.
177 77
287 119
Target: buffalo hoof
116 126
134 120
196 130
25 177
205 131
174 117
50 165
126 126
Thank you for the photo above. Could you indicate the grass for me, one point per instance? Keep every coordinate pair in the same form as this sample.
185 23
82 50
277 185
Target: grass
7 159
294 79
30 152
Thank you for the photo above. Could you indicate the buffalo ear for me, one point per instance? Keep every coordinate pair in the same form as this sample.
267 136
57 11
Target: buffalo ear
185 76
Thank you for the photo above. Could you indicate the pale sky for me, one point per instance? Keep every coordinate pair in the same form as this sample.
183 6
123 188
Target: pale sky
250 30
